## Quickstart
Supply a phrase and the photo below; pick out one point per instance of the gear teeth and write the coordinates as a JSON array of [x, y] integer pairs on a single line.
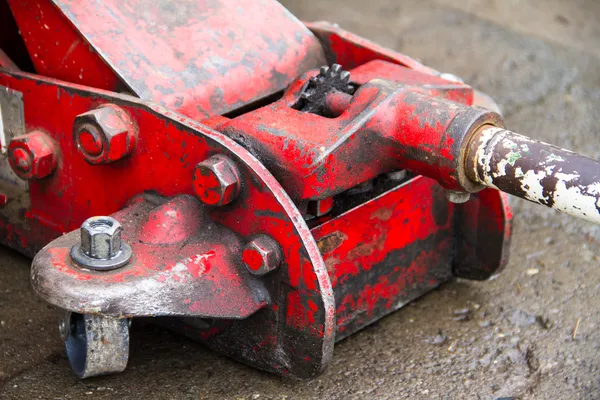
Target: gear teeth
[[328, 79]]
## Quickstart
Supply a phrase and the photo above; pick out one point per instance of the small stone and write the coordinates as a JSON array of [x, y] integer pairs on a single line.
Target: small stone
[[462, 314], [438, 339], [462, 311], [522, 319], [543, 322], [532, 271]]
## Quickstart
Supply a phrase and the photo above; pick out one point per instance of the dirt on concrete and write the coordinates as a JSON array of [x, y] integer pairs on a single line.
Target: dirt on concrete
[[531, 333]]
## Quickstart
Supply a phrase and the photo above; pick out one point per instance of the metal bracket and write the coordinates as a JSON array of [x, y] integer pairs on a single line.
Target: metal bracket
[[12, 116], [14, 191]]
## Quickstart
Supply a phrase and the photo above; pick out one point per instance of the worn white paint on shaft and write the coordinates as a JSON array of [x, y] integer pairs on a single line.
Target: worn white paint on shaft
[[576, 200]]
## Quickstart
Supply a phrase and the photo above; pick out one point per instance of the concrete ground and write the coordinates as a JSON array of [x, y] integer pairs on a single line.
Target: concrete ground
[[510, 337]]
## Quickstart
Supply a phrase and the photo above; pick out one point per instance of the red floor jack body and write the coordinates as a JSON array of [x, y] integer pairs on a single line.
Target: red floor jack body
[[189, 160]]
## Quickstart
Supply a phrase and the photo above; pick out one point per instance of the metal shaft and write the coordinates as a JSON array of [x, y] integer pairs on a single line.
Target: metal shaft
[[535, 171]]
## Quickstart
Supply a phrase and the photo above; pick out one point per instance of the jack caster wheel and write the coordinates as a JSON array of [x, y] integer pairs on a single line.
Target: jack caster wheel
[[95, 345]]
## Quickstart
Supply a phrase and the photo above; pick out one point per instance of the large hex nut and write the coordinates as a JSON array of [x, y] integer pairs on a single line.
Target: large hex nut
[[261, 255], [104, 135], [216, 180], [32, 156], [101, 247]]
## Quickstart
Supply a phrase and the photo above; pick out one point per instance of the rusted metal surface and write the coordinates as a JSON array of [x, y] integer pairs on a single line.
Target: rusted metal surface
[[304, 314], [57, 50], [176, 269], [14, 192], [350, 50], [410, 120], [536, 171], [216, 188], [188, 55], [392, 249], [95, 345]]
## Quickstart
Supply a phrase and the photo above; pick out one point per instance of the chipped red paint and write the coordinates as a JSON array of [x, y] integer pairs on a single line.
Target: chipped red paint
[[351, 50], [392, 249], [170, 142], [188, 216], [405, 122], [171, 54], [57, 50]]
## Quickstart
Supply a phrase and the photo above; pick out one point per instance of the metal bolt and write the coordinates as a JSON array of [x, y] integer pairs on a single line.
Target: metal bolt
[[216, 180], [101, 247], [457, 197], [104, 135], [261, 255], [32, 156], [65, 327]]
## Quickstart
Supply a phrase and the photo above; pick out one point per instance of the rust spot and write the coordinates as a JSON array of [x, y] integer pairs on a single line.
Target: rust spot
[[383, 214], [367, 249], [331, 242]]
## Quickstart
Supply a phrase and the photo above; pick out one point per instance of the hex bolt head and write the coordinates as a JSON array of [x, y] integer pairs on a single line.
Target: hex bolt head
[[104, 135], [217, 180], [101, 246], [261, 255], [32, 156]]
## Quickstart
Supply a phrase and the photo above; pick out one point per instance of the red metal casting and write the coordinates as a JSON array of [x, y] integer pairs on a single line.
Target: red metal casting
[[406, 121], [170, 142], [267, 231], [191, 57]]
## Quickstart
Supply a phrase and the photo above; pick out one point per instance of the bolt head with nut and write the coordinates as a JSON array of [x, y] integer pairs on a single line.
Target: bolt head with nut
[[101, 246], [104, 135], [217, 180], [261, 255], [32, 156]]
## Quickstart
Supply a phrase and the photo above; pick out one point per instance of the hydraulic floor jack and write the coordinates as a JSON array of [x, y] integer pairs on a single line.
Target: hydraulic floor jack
[[265, 186]]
